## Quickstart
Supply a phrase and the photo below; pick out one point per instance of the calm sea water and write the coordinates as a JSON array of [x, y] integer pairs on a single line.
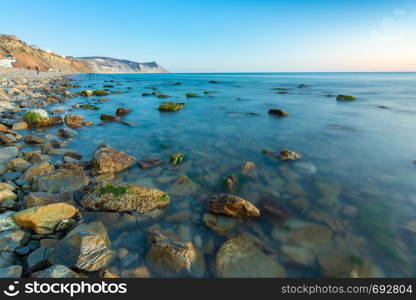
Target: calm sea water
[[357, 174]]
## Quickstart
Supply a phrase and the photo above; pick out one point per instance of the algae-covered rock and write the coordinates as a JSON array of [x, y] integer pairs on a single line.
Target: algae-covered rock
[[346, 98], [286, 154], [37, 118], [170, 256], [124, 198], [176, 158], [240, 257], [191, 95], [109, 160], [100, 93], [170, 106], [232, 206], [44, 219]]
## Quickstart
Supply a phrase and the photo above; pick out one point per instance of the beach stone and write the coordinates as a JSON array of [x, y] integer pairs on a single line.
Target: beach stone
[[41, 198], [109, 160], [7, 259], [122, 111], [109, 274], [312, 236], [8, 153], [10, 240], [66, 133], [344, 265], [31, 139], [11, 272], [232, 206], [184, 186], [11, 176], [286, 154], [239, 257], [45, 219], [140, 272], [74, 121], [6, 194], [18, 165], [57, 271], [170, 256], [87, 247], [38, 170], [249, 169], [37, 118], [220, 224], [60, 181], [124, 198], [7, 222], [38, 259], [7, 138]]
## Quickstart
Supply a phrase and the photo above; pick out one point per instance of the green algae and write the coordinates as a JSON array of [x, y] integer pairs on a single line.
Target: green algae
[[346, 98], [116, 191]]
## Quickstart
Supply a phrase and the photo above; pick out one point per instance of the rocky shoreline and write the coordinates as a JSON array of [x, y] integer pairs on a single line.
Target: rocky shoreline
[[47, 191]]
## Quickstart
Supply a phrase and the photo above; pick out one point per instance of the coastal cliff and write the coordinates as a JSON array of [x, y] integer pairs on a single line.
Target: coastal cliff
[[112, 65]]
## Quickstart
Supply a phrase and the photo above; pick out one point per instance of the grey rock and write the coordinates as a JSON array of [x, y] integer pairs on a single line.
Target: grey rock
[[11, 272], [10, 240]]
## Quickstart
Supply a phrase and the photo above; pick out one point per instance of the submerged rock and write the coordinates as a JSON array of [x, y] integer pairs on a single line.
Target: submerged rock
[[346, 98], [344, 265], [124, 198], [176, 158], [41, 198], [109, 160], [239, 257], [74, 121], [122, 111], [232, 206], [11, 272], [66, 133], [147, 163], [220, 224], [106, 117], [59, 181], [249, 169], [287, 154], [45, 219], [312, 236], [278, 112], [87, 247], [184, 186], [56, 271], [170, 256]]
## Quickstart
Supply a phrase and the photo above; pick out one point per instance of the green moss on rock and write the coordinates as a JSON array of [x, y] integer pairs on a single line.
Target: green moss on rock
[[116, 191], [100, 93], [346, 98], [170, 106], [191, 95]]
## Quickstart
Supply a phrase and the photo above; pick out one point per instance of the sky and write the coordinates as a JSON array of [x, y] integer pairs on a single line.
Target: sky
[[225, 35]]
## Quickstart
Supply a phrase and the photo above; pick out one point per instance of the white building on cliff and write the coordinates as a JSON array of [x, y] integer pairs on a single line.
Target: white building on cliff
[[6, 60]]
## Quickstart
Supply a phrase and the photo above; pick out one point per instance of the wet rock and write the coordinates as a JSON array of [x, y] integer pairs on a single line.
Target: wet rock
[[73, 155], [169, 256], [57, 271], [109, 160], [38, 259], [10, 240], [66, 133], [8, 153], [38, 170], [86, 93], [231, 181], [249, 169], [59, 181], [181, 217], [287, 154], [140, 272], [124, 198], [273, 210], [312, 236], [147, 163], [300, 203], [31, 139], [170, 106], [45, 219], [37, 118], [41, 198], [7, 222], [184, 186], [278, 112], [239, 257], [87, 247], [74, 121], [344, 265], [122, 112], [327, 192], [7, 259], [220, 224], [11, 272], [176, 158], [345, 98], [232, 206], [6, 194], [105, 117], [109, 274], [18, 165], [295, 255], [7, 139]]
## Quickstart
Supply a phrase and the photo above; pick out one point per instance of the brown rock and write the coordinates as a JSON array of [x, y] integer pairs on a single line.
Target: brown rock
[[232, 206], [41, 198], [110, 160]]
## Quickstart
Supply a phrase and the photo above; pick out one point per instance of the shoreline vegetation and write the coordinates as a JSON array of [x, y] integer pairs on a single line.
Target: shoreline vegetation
[[43, 199]]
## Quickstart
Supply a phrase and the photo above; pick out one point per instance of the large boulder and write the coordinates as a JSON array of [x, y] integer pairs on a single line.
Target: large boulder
[[60, 181], [37, 118], [240, 257], [87, 247], [170, 256], [45, 219], [109, 160], [232, 206], [124, 198]]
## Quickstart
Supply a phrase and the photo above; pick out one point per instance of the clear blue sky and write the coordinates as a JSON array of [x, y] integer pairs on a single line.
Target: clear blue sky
[[224, 36]]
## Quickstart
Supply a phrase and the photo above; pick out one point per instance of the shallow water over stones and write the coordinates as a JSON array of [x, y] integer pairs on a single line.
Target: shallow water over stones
[[348, 197]]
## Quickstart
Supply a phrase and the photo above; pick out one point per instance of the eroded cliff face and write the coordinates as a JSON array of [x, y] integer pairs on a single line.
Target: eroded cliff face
[[29, 57], [113, 65]]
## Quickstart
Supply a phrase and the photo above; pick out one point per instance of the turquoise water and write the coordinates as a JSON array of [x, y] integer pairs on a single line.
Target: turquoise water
[[356, 155]]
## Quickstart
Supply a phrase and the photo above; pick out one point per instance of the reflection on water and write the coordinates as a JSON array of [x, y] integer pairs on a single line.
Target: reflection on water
[[351, 194]]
